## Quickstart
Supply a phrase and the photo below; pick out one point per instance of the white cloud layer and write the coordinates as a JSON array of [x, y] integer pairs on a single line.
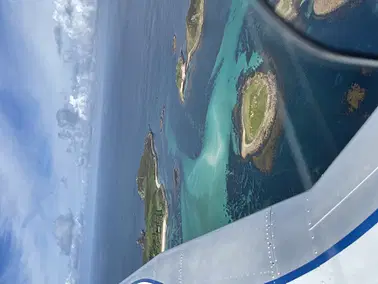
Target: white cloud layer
[[47, 66]]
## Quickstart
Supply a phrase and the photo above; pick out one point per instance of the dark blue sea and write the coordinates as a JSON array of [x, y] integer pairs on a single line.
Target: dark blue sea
[[141, 81], [314, 92]]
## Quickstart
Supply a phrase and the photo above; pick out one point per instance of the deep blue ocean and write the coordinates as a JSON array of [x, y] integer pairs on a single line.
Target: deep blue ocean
[[141, 81]]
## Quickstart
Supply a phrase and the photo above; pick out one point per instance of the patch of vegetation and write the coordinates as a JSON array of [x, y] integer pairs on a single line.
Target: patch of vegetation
[[154, 201], [194, 23], [254, 105], [179, 65], [355, 96], [264, 160]]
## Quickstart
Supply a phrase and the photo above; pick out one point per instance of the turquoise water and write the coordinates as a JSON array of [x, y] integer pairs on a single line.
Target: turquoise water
[[204, 191], [198, 136], [217, 186], [235, 142]]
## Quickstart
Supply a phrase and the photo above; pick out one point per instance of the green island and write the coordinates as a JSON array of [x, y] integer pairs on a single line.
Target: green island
[[153, 238], [355, 96], [194, 25], [286, 9], [324, 7], [258, 115], [180, 77]]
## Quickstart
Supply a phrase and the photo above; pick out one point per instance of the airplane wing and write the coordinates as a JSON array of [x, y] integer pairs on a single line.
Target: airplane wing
[[325, 235]]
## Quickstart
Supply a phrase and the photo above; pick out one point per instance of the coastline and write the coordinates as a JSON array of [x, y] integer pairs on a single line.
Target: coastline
[[267, 123], [181, 76], [152, 192], [182, 64], [198, 32], [290, 13], [323, 8], [162, 188]]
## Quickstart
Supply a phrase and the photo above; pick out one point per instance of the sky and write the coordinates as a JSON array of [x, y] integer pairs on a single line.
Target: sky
[[47, 91]]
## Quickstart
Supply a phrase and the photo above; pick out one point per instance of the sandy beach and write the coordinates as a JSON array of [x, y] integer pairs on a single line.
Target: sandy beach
[[165, 218], [159, 186]]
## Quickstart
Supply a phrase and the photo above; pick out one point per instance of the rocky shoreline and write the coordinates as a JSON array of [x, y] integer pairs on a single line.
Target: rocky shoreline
[[181, 76], [152, 192], [324, 7], [161, 187], [199, 18], [194, 26], [286, 9]]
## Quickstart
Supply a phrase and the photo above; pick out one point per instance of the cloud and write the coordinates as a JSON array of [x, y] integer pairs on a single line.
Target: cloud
[[37, 85], [20, 112], [20, 196], [64, 225], [67, 118], [58, 38], [9, 257]]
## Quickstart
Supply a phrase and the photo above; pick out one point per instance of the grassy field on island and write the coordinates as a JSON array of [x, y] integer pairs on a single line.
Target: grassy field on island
[[254, 104], [194, 23], [153, 201]]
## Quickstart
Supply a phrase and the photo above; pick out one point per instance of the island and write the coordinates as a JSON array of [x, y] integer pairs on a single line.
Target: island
[[162, 117], [153, 238], [176, 184], [324, 7], [286, 9], [176, 177], [355, 96], [181, 76], [194, 26], [174, 44], [258, 111]]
